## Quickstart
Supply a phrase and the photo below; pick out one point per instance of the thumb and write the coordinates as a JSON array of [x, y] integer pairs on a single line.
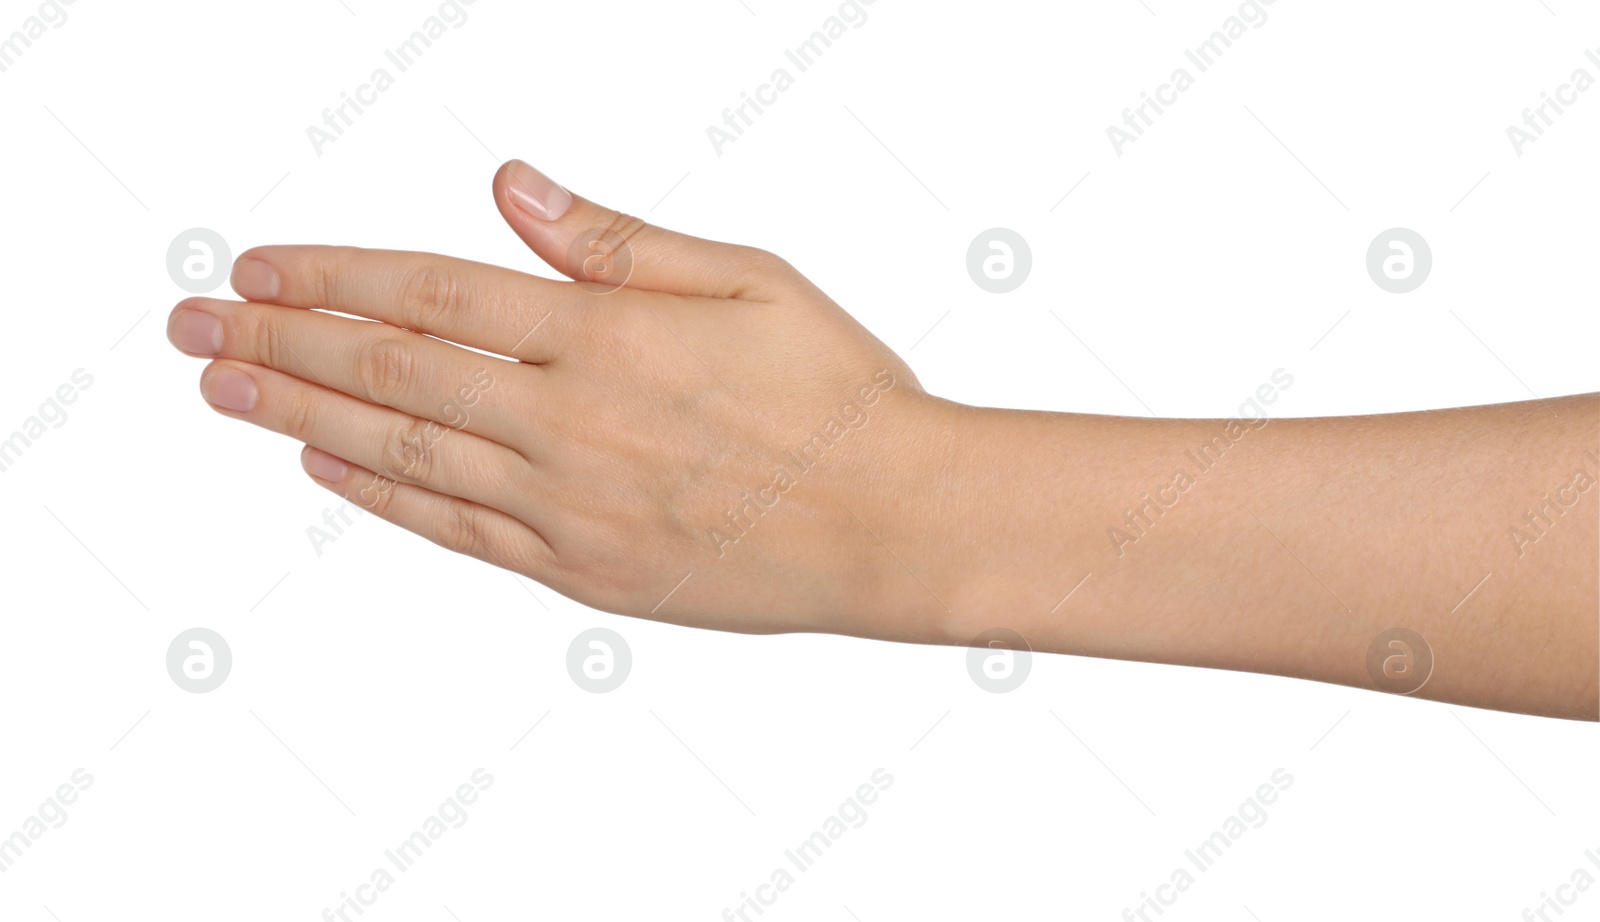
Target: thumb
[[594, 244]]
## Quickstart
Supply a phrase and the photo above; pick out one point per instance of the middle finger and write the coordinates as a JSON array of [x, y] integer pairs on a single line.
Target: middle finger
[[374, 362]]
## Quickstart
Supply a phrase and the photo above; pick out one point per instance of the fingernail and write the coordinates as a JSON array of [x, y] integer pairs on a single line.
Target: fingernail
[[229, 389], [536, 193], [254, 280], [323, 466], [195, 332]]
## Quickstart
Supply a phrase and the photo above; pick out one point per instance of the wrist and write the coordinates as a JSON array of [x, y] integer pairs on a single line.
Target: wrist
[[962, 522]]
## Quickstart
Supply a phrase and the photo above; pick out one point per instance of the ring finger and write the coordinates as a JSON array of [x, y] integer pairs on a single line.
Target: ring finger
[[396, 445]]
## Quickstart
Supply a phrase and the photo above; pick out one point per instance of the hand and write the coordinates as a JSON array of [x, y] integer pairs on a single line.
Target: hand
[[689, 431]]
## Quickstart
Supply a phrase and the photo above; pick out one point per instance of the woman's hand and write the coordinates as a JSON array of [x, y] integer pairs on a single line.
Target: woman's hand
[[692, 432], [689, 431]]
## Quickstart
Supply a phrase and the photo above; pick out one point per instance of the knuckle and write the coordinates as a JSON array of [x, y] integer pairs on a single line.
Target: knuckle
[[260, 340], [430, 293], [460, 529], [767, 262], [762, 271], [408, 451], [301, 415], [385, 368], [323, 277], [604, 252], [621, 227]]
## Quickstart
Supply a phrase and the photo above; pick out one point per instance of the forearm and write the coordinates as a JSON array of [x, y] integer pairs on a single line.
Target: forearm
[[1282, 547]]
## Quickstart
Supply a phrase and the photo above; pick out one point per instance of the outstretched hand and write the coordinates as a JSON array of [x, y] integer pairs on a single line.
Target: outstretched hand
[[681, 431]]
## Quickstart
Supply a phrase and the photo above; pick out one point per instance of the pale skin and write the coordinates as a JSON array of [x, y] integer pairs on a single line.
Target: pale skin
[[648, 450]]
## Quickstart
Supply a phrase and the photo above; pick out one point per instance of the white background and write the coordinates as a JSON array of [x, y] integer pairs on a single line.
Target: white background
[[372, 679]]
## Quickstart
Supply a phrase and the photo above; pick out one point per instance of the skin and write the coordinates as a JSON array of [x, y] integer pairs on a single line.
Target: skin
[[622, 445]]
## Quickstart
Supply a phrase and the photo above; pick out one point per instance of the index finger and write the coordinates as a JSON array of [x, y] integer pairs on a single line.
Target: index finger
[[475, 304]]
